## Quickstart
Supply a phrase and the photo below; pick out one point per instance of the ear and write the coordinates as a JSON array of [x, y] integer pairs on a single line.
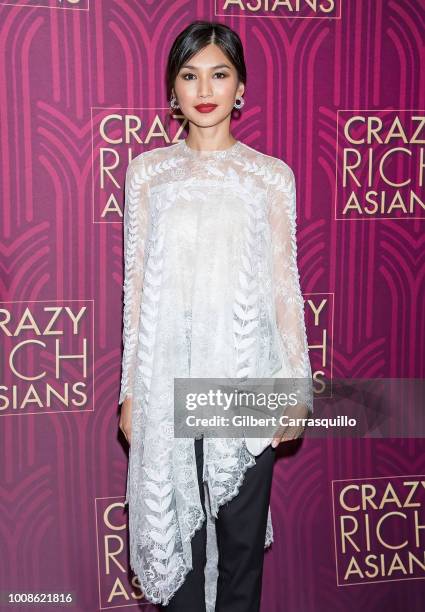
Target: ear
[[240, 90]]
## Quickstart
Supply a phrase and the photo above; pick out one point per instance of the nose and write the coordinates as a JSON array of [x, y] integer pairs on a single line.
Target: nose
[[204, 87]]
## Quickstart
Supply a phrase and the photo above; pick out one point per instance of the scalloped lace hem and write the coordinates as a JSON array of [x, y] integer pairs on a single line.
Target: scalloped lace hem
[[152, 594], [156, 596], [231, 494]]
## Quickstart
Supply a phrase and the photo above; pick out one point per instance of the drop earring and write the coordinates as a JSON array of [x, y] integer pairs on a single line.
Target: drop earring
[[173, 102], [239, 104]]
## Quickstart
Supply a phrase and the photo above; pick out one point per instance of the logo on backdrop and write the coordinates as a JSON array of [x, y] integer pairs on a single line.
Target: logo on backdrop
[[119, 135], [380, 164], [279, 8], [48, 356], [379, 529], [115, 589], [319, 317], [81, 5]]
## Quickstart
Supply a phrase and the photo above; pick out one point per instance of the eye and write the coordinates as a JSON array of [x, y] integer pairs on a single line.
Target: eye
[[187, 75]]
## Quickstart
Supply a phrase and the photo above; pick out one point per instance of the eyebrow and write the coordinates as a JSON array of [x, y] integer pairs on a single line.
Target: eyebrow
[[212, 67]]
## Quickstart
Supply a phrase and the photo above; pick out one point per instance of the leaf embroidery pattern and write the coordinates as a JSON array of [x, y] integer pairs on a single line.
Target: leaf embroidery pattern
[[155, 546], [134, 244]]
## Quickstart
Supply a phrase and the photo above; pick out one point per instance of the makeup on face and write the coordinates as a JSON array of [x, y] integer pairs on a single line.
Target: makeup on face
[[206, 108]]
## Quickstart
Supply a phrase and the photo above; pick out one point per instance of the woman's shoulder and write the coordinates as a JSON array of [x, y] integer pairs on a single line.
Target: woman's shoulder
[[275, 163], [152, 157]]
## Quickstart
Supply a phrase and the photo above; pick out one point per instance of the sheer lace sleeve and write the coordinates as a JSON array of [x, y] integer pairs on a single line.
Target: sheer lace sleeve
[[135, 233], [286, 281]]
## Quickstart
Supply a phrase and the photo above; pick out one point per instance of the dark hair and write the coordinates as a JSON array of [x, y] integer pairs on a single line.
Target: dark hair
[[195, 37]]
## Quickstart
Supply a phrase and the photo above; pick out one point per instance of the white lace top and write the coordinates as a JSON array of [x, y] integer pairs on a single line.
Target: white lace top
[[211, 290]]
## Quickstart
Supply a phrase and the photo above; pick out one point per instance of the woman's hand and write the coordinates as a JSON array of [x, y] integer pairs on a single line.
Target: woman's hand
[[125, 419], [291, 432]]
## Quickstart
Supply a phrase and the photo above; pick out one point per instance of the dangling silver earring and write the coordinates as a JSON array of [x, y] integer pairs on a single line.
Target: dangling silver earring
[[173, 102], [239, 104]]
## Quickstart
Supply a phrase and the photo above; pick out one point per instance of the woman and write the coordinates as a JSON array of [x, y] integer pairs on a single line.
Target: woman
[[211, 290]]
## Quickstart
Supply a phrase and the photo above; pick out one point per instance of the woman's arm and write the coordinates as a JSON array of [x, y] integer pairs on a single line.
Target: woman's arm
[[286, 281], [135, 234]]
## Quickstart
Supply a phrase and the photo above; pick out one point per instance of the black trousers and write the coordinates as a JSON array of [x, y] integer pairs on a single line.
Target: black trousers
[[241, 530]]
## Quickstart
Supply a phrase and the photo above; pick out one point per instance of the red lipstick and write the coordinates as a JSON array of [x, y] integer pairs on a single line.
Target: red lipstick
[[205, 108]]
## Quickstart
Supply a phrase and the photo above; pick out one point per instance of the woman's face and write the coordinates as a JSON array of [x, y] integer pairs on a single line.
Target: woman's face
[[207, 78]]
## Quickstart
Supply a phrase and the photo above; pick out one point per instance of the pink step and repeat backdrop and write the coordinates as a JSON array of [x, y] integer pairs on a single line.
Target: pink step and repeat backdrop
[[336, 88]]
